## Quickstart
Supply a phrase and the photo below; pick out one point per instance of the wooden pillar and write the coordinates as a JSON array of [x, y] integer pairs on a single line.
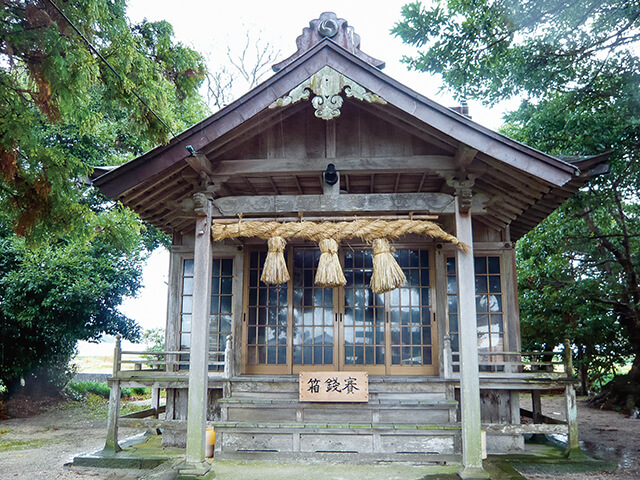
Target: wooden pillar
[[155, 400], [571, 404], [469, 380], [536, 406], [573, 447], [112, 418], [536, 413], [199, 350], [111, 443]]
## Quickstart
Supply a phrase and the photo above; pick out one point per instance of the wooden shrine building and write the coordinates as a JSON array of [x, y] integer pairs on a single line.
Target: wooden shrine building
[[326, 163]]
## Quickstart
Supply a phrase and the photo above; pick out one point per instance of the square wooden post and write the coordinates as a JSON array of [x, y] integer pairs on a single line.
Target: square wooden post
[[114, 401], [199, 350], [469, 377], [571, 405], [112, 418], [155, 400]]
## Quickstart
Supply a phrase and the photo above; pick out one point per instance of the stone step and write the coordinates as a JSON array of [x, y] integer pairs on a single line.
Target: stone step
[[373, 397], [284, 385], [391, 442], [372, 403], [349, 458], [306, 426], [379, 412]]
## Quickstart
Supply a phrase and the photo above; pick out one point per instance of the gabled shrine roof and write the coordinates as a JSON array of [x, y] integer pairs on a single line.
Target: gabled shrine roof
[[521, 185]]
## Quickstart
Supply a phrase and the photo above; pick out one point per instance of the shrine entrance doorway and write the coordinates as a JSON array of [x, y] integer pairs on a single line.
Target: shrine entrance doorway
[[298, 326]]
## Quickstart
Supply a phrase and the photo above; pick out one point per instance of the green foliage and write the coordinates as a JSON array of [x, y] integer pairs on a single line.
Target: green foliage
[[495, 49], [83, 390], [80, 390], [64, 111], [98, 406], [57, 293], [577, 67], [134, 392], [154, 339], [589, 280], [560, 296], [68, 256]]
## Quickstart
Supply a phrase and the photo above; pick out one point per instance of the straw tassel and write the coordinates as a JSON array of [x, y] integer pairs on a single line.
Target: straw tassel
[[387, 274], [275, 270], [329, 273]]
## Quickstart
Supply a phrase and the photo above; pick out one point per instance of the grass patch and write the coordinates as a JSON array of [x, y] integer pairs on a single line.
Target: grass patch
[[94, 364], [81, 390], [23, 444], [99, 406], [95, 395]]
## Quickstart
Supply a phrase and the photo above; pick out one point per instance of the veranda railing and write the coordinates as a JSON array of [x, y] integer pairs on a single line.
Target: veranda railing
[[127, 362], [548, 365]]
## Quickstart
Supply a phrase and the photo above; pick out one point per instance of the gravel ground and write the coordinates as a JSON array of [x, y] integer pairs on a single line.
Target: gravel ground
[[41, 446], [604, 435]]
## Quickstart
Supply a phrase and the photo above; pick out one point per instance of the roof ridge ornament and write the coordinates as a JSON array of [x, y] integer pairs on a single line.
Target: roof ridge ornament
[[334, 28], [327, 84]]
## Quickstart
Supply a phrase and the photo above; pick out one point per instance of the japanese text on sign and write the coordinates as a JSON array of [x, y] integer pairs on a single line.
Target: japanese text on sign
[[334, 387]]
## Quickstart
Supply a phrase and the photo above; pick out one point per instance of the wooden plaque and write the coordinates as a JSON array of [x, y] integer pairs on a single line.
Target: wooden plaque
[[334, 387]]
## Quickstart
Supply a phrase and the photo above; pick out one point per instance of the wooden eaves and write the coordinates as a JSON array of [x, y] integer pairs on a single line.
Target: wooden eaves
[[522, 184]]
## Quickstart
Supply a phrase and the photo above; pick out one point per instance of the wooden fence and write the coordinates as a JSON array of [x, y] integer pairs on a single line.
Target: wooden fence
[[552, 365], [128, 363]]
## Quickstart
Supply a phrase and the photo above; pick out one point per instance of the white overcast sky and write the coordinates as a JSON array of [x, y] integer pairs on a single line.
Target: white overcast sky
[[211, 26]]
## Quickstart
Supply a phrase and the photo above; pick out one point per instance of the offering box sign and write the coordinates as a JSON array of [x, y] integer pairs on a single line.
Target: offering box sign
[[334, 387]]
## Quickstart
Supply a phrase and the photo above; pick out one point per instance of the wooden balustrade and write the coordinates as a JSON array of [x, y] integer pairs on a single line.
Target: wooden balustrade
[[543, 365], [127, 361], [157, 370]]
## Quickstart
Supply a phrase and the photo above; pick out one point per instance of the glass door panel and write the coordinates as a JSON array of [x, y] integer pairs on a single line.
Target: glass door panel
[[313, 316], [266, 321], [412, 324], [363, 325], [299, 326]]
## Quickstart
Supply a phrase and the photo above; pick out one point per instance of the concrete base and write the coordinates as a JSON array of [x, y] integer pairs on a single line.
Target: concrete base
[[177, 438], [575, 454], [473, 473], [505, 443], [195, 470], [142, 452]]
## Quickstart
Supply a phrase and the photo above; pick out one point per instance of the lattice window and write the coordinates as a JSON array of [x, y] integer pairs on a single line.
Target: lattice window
[[221, 305], [489, 304], [313, 334], [266, 317]]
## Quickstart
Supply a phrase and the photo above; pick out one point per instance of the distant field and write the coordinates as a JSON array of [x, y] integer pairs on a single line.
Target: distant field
[[87, 364], [98, 357]]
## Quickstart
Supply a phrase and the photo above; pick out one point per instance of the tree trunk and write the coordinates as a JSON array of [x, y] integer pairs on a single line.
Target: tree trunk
[[584, 374]]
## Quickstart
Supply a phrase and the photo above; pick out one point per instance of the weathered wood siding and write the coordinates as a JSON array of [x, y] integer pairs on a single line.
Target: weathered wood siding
[[357, 133]]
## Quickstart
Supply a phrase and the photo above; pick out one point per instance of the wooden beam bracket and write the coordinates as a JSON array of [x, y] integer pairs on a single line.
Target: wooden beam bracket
[[463, 189]]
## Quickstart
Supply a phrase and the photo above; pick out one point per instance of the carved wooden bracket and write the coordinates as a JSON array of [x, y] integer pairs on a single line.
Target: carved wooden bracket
[[217, 181], [463, 189], [327, 84], [202, 203]]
